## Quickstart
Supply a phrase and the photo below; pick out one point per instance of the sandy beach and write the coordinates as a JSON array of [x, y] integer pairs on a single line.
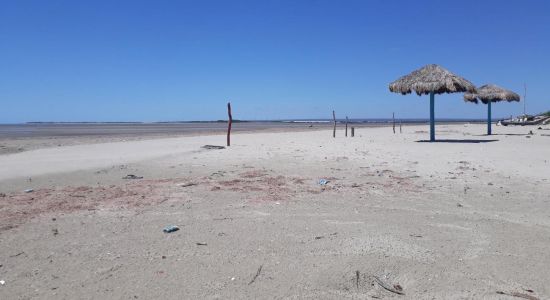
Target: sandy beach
[[464, 218]]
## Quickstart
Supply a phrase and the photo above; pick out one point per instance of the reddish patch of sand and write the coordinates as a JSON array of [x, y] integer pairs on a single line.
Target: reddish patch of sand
[[18, 208]]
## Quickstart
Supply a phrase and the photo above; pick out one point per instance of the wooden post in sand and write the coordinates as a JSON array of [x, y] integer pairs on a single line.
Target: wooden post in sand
[[346, 126], [229, 124], [334, 129], [352, 131], [393, 121], [400, 125]]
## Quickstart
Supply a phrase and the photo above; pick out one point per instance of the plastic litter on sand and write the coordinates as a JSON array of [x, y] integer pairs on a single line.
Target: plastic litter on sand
[[323, 182], [171, 228]]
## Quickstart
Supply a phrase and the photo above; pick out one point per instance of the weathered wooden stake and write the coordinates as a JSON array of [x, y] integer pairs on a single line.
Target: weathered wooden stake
[[334, 129], [346, 126], [400, 126], [352, 131], [229, 124], [393, 121]]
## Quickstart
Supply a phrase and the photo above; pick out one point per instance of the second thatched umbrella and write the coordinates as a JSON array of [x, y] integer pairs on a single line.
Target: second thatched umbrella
[[431, 80], [491, 93]]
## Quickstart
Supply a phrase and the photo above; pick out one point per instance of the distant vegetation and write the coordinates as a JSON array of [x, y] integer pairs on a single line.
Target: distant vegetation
[[546, 113], [84, 122]]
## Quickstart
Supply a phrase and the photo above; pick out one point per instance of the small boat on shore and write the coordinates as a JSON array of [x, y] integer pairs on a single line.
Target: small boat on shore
[[542, 119]]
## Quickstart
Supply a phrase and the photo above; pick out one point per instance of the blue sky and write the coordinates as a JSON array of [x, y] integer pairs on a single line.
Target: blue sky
[[183, 60]]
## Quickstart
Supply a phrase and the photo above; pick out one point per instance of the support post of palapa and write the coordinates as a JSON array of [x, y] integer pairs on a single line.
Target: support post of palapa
[[229, 124], [334, 120], [432, 117], [489, 121]]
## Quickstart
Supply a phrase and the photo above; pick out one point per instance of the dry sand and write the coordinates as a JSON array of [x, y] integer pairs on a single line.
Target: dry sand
[[462, 219]]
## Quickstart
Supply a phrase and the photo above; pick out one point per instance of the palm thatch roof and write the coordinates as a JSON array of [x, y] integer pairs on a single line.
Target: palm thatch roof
[[491, 92], [431, 78]]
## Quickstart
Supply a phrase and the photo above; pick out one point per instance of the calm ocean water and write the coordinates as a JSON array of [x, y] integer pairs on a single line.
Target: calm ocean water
[[30, 130]]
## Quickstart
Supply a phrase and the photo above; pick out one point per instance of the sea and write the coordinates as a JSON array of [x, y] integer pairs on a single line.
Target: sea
[[74, 129]]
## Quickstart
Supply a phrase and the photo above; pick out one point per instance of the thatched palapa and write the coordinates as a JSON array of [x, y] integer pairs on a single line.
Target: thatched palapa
[[431, 78], [493, 93], [490, 93]]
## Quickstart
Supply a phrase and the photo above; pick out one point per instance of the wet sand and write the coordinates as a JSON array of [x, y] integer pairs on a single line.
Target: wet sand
[[24, 137], [139, 129]]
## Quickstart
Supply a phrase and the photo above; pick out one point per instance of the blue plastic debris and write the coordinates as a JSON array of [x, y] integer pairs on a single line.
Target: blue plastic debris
[[171, 228], [323, 182]]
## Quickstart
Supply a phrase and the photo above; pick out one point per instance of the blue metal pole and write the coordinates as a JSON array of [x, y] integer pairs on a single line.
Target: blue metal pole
[[432, 117], [489, 118]]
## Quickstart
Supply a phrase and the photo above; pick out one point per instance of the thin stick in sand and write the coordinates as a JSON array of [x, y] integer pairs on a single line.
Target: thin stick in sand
[[387, 286], [393, 121], [519, 295], [229, 124], [257, 274], [334, 119], [346, 126]]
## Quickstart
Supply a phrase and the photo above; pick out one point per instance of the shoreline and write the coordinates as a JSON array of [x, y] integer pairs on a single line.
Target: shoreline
[[28, 137]]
